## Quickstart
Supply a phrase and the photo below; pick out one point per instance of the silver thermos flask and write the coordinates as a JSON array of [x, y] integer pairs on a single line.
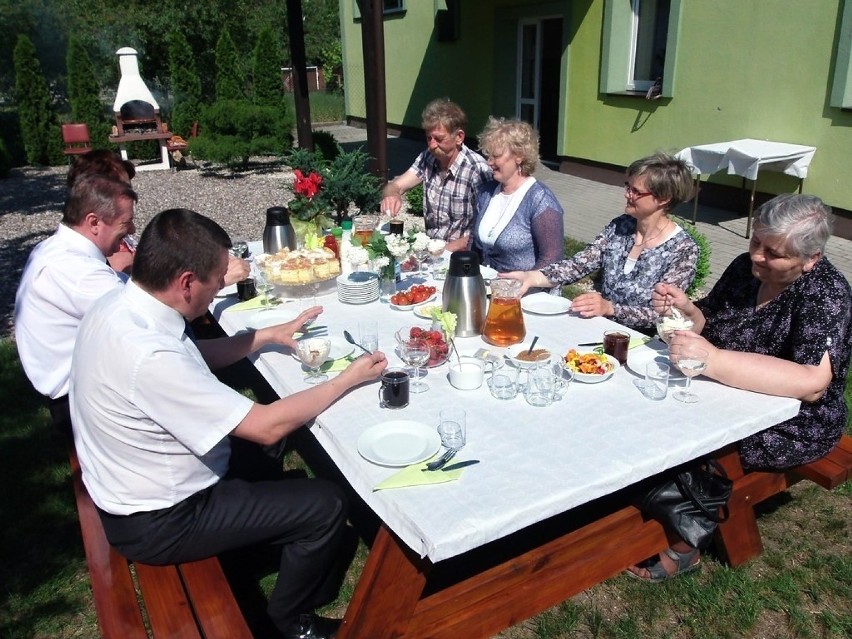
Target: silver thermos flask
[[464, 293], [278, 232]]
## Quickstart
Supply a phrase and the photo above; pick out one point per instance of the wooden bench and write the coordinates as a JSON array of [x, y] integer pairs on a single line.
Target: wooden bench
[[738, 539], [138, 601]]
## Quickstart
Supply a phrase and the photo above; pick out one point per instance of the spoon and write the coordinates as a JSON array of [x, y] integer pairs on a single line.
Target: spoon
[[352, 341], [532, 346]]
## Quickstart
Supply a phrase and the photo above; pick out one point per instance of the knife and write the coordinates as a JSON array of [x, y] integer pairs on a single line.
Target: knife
[[456, 466]]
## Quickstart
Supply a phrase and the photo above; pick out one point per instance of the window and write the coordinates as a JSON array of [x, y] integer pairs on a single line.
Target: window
[[648, 42], [639, 45], [388, 7], [841, 85]]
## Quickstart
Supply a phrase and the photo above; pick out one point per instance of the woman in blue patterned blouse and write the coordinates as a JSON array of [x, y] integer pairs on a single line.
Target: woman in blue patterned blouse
[[634, 251]]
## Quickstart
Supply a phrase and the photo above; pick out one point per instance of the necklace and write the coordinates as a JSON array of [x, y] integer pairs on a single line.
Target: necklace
[[651, 237]]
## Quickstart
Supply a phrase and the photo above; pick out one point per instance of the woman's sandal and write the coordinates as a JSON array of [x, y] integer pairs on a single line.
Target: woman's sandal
[[684, 562]]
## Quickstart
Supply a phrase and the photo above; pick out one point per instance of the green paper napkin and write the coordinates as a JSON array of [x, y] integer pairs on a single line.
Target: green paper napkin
[[414, 476], [253, 304], [638, 341]]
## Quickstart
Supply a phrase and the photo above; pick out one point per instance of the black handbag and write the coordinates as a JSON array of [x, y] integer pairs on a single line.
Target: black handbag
[[692, 503]]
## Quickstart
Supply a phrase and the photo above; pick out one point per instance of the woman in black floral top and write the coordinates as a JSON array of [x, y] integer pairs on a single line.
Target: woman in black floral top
[[634, 251], [779, 321]]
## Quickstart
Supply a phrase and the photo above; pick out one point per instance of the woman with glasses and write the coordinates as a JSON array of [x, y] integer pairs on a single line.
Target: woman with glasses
[[634, 251]]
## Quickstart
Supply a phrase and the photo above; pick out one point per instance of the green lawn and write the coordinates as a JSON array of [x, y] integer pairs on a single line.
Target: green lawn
[[800, 587]]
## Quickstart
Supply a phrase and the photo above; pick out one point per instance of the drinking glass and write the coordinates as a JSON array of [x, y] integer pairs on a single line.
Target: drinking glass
[[691, 360], [369, 335], [656, 380], [451, 428], [240, 249], [313, 353], [415, 352]]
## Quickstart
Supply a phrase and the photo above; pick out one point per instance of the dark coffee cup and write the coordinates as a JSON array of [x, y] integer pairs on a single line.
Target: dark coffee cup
[[246, 289], [393, 392]]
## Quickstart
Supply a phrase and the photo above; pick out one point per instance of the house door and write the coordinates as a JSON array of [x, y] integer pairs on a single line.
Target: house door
[[539, 64]]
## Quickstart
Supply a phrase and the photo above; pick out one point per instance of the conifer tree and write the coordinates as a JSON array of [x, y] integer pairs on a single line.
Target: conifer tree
[[39, 125], [186, 85], [84, 92], [266, 89], [230, 80]]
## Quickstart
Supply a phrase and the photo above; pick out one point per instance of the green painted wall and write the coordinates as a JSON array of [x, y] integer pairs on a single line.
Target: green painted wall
[[744, 68]]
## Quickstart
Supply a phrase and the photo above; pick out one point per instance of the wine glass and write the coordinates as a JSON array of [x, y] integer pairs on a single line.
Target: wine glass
[[422, 255], [240, 249], [313, 353], [265, 287], [415, 352], [691, 360]]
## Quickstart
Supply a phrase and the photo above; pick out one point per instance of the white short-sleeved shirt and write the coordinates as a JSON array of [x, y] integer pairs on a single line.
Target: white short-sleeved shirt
[[64, 275], [150, 420]]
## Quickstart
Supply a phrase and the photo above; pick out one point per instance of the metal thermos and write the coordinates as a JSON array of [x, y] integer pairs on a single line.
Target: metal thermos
[[278, 232], [464, 293]]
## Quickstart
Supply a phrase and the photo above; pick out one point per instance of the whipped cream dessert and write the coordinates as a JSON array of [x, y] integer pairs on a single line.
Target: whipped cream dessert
[[667, 324]]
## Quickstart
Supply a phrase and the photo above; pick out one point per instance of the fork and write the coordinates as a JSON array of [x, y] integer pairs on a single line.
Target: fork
[[443, 459]]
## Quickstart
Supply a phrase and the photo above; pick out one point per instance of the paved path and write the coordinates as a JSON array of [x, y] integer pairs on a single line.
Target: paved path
[[590, 205]]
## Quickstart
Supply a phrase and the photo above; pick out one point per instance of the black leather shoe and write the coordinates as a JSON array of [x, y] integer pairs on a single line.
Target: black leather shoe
[[313, 627]]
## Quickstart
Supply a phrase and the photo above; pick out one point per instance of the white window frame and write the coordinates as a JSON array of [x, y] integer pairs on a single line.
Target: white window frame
[[535, 101]]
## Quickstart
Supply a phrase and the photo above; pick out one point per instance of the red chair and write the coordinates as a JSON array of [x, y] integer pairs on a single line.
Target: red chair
[[76, 139]]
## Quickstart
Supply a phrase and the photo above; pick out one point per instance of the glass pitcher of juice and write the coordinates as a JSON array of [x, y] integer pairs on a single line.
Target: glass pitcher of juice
[[504, 322]]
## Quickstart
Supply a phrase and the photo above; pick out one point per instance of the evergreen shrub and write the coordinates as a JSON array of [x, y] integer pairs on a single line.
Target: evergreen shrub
[[702, 268], [5, 160], [235, 130], [40, 128], [414, 198]]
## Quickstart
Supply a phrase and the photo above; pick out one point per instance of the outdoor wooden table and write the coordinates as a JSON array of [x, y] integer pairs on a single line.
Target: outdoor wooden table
[[438, 567]]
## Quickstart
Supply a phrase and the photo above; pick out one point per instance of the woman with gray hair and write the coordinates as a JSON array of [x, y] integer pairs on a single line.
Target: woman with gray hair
[[777, 322], [634, 251], [518, 222]]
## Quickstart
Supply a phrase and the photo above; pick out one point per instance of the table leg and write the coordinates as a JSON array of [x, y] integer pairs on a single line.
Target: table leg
[[750, 207], [738, 538], [695, 199], [387, 592]]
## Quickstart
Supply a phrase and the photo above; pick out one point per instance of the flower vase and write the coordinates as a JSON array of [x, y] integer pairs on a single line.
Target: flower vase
[[387, 280]]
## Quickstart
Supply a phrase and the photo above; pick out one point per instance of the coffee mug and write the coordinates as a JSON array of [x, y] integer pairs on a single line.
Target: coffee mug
[[467, 373], [246, 289], [393, 392]]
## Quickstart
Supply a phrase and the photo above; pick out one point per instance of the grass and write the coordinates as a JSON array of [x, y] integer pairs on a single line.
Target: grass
[[325, 107], [800, 587]]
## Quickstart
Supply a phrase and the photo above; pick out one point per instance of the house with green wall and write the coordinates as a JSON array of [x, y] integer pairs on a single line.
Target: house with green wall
[[609, 81]]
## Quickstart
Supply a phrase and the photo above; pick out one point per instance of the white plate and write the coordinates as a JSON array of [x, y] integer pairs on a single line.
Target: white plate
[[231, 289], [422, 310], [487, 272], [513, 352], [411, 307], [264, 319], [639, 358], [399, 443], [545, 304], [588, 378]]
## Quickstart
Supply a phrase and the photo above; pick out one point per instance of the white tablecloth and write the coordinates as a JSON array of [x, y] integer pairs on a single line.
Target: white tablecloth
[[746, 157], [536, 462]]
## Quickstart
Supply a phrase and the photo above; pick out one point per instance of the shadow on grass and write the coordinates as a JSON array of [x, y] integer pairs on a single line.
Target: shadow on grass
[[40, 548]]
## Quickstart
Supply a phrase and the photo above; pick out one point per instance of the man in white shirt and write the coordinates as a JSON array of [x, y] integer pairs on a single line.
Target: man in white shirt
[[151, 425], [64, 275]]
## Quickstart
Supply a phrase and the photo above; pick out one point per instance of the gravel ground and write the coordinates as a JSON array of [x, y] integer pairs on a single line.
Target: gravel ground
[[31, 203]]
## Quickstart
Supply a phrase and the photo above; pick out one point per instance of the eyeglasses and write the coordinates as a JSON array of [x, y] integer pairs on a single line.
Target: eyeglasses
[[634, 194]]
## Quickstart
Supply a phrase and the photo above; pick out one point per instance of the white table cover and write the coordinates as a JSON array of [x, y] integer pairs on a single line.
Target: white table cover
[[536, 462], [747, 157]]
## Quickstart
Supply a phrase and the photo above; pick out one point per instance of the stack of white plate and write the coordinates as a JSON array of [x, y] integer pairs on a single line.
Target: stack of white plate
[[358, 288]]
